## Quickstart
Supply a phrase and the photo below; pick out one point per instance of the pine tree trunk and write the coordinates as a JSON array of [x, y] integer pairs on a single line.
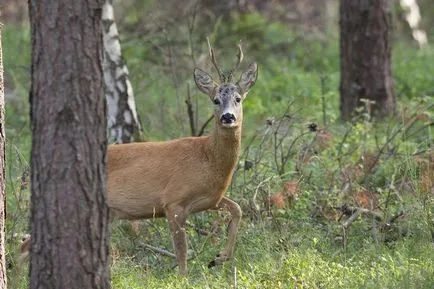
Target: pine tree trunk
[[3, 280], [365, 57], [69, 216], [123, 122]]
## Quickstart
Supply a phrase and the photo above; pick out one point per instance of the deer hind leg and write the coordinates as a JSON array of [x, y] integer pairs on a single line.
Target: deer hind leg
[[177, 217], [24, 250], [236, 214]]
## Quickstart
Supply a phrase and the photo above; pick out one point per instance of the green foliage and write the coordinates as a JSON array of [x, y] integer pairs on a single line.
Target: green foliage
[[411, 70], [292, 136]]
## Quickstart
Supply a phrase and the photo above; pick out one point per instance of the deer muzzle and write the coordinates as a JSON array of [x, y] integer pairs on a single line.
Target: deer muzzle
[[228, 118]]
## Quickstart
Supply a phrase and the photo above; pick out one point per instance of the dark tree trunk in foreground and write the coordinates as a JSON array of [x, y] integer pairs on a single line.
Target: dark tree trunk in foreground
[[365, 57], [69, 216], [2, 173]]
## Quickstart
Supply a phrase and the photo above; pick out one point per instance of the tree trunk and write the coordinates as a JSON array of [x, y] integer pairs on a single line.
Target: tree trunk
[[123, 122], [3, 279], [365, 57], [412, 15], [69, 215]]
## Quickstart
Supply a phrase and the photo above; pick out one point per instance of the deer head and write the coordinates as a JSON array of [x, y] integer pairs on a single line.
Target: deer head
[[226, 95]]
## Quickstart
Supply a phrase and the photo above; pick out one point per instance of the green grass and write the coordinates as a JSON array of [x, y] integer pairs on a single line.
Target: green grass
[[302, 245], [294, 257]]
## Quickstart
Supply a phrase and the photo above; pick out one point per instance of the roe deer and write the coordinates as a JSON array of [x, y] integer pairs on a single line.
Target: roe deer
[[174, 178]]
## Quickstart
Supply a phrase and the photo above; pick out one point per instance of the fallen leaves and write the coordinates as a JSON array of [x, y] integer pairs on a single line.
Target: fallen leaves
[[283, 198]]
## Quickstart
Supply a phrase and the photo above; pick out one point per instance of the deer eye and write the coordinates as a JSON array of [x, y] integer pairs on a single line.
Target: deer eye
[[216, 101], [238, 99]]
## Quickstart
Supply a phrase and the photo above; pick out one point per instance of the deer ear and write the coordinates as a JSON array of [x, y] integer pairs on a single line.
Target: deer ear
[[204, 81], [248, 78]]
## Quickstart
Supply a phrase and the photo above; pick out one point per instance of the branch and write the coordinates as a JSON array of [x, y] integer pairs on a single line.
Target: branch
[[351, 211], [395, 217], [190, 112], [351, 219], [199, 230], [202, 129], [158, 250]]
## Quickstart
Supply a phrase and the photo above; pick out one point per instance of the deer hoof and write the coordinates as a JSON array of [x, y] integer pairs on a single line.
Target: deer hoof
[[211, 264], [219, 259], [214, 262]]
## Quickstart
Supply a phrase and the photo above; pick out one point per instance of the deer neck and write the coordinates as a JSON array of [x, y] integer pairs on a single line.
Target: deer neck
[[225, 148]]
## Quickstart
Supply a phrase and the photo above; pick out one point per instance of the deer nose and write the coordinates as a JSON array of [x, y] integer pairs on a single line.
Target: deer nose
[[228, 118]]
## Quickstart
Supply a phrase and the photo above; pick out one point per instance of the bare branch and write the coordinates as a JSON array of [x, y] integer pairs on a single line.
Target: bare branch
[[202, 129], [190, 112], [351, 219], [347, 210], [158, 250], [395, 217], [199, 230]]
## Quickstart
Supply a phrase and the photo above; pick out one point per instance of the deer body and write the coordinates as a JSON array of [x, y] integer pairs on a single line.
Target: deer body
[[192, 173], [175, 178]]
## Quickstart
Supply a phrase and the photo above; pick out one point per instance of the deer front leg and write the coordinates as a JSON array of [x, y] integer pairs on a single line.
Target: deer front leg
[[235, 211], [177, 217]]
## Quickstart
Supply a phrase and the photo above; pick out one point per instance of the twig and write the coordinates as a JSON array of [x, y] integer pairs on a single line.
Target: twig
[[235, 277], [285, 158], [413, 122], [374, 223], [351, 219], [278, 144], [190, 111], [382, 150], [347, 210], [395, 217], [346, 225], [205, 124], [200, 231], [324, 111], [158, 250], [341, 145], [255, 195], [421, 128]]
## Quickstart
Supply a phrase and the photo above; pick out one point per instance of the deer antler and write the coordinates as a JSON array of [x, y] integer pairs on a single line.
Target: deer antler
[[240, 56], [214, 62]]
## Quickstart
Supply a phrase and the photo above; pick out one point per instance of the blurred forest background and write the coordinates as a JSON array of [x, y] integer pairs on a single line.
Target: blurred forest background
[[327, 203]]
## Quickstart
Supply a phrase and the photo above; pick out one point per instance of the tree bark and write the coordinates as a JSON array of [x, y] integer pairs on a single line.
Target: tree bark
[[365, 57], [69, 215], [123, 122], [3, 280]]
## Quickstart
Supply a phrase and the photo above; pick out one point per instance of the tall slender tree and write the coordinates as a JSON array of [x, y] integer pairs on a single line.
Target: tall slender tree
[[3, 279], [123, 121], [365, 28], [69, 216]]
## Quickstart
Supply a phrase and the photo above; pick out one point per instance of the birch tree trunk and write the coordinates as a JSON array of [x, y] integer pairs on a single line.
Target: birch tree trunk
[[3, 280], [123, 122], [413, 18], [69, 215]]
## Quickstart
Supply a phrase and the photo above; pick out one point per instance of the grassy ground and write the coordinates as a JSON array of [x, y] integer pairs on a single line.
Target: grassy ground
[[298, 188]]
